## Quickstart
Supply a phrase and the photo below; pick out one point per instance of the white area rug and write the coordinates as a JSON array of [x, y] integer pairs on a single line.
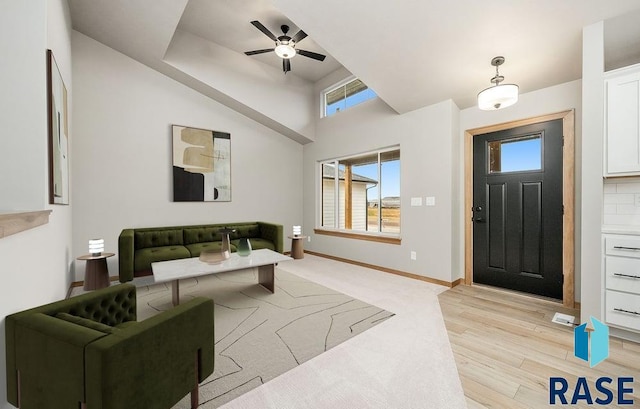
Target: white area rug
[[260, 335], [404, 362]]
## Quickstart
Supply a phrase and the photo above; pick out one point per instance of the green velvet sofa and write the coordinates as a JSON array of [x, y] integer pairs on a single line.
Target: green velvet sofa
[[89, 351], [138, 248]]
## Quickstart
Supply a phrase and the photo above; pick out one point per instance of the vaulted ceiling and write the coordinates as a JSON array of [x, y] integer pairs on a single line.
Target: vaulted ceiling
[[413, 53]]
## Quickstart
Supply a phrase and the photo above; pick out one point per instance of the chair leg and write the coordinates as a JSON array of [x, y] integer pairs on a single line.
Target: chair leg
[[195, 399], [19, 391]]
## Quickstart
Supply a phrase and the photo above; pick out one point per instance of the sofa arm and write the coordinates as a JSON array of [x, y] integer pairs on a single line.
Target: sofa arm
[[161, 350], [273, 232], [47, 354], [126, 252]]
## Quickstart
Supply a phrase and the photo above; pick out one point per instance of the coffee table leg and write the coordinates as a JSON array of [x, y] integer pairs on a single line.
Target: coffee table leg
[[175, 292], [266, 277]]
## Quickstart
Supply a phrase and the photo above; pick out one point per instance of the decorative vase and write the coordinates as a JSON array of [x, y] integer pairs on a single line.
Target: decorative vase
[[244, 247], [226, 240]]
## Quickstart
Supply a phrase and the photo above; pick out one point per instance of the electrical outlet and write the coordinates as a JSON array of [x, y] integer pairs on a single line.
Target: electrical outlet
[[636, 198], [416, 201], [413, 255], [309, 239], [430, 201]]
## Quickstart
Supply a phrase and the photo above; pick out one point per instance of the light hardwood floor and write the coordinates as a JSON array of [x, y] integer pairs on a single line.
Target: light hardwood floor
[[506, 348]]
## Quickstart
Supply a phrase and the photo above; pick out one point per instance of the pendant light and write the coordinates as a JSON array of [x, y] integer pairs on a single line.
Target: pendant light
[[499, 95]]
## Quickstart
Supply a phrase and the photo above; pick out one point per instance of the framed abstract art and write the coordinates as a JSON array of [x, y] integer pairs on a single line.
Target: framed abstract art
[[201, 165]]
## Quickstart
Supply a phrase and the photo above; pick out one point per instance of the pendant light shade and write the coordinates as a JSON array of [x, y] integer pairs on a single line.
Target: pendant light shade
[[500, 95]]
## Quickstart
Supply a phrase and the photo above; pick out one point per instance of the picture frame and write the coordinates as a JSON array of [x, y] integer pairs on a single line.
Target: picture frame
[[58, 138], [201, 165]]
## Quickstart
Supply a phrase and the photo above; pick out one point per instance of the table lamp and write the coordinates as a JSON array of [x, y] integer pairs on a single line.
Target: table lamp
[[96, 246]]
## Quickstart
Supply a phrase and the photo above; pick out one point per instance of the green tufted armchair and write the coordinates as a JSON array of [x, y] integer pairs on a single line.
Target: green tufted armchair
[[90, 352]]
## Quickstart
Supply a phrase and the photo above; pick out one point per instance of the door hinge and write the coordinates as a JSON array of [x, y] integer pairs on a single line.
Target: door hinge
[[563, 210]]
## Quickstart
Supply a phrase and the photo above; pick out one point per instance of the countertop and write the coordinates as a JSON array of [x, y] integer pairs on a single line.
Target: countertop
[[621, 229]]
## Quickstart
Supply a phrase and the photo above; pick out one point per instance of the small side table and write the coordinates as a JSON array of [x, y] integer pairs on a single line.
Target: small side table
[[297, 246], [96, 274]]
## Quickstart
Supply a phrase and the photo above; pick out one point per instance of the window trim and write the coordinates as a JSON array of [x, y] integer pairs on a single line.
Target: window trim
[[331, 88], [387, 238], [381, 237]]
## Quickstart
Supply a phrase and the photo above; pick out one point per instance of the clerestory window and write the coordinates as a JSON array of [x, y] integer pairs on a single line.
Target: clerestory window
[[344, 95]]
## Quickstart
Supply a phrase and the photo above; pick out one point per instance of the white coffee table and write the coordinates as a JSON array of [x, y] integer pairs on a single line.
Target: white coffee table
[[174, 270]]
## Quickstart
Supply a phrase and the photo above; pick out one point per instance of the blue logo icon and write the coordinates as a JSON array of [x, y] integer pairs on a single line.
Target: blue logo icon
[[597, 338]]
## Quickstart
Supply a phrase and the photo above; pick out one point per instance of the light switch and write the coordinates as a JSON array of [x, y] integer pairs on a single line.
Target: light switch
[[431, 201], [416, 201]]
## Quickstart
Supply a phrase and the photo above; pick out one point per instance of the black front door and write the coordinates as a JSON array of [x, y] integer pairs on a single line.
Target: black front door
[[517, 210]]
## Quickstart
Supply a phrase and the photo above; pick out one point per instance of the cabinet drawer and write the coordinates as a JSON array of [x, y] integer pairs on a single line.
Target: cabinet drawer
[[623, 274], [623, 309], [627, 247]]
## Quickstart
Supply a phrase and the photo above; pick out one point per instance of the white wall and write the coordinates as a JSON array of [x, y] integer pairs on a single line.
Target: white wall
[[426, 143], [34, 264], [122, 168], [532, 104]]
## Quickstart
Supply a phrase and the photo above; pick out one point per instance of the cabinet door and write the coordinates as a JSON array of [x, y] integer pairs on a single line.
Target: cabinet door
[[622, 125]]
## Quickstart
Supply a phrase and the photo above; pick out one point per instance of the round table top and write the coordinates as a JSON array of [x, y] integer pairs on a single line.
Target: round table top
[[297, 237], [92, 257]]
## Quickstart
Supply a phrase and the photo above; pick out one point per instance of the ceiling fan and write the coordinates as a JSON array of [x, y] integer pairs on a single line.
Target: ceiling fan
[[285, 46]]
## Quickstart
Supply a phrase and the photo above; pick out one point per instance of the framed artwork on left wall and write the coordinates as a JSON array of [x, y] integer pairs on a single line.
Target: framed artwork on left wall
[[58, 124]]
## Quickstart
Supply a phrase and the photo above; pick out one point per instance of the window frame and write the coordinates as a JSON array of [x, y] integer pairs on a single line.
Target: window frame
[[378, 236], [340, 84]]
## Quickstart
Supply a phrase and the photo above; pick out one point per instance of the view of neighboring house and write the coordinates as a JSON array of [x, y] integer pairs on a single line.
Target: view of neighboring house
[[359, 184]]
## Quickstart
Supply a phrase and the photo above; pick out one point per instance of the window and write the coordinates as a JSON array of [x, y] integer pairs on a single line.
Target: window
[[516, 154], [362, 193], [345, 95]]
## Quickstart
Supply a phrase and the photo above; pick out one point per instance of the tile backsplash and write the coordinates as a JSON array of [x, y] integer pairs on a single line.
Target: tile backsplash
[[622, 202]]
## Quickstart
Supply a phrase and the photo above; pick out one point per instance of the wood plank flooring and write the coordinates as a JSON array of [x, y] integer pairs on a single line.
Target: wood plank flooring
[[506, 348]]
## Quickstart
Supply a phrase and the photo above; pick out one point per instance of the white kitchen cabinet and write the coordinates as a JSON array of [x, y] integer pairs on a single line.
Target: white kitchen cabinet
[[622, 122], [622, 282]]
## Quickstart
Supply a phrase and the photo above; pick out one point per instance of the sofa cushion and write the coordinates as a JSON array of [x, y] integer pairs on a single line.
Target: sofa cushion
[[196, 248], [158, 238], [85, 322], [144, 257], [201, 235], [257, 243], [245, 231]]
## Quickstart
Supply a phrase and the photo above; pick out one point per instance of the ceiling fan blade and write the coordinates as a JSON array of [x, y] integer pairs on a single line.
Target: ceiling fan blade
[[300, 35], [311, 54], [265, 30], [265, 50], [286, 65]]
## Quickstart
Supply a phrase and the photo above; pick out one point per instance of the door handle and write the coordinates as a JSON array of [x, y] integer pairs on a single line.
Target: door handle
[[477, 219]]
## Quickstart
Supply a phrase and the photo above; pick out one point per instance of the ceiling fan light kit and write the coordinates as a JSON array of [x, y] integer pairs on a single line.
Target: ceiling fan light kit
[[285, 51], [500, 95], [285, 46]]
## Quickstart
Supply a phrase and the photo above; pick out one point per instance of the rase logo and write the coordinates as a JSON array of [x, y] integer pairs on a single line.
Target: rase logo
[[598, 338], [591, 345]]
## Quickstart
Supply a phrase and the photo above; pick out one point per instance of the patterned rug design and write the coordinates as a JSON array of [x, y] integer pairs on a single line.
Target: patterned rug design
[[259, 335]]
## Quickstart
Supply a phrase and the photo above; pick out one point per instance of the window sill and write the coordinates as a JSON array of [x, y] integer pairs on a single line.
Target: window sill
[[360, 236], [12, 223]]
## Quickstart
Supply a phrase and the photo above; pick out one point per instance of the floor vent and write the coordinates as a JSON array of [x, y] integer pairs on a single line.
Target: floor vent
[[564, 319]]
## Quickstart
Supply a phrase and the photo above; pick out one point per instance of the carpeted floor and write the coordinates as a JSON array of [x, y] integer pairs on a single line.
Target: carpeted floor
[[260, 335]]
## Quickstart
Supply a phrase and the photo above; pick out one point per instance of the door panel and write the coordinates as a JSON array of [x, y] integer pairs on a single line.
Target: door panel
[[517, 229], [496, 225]]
